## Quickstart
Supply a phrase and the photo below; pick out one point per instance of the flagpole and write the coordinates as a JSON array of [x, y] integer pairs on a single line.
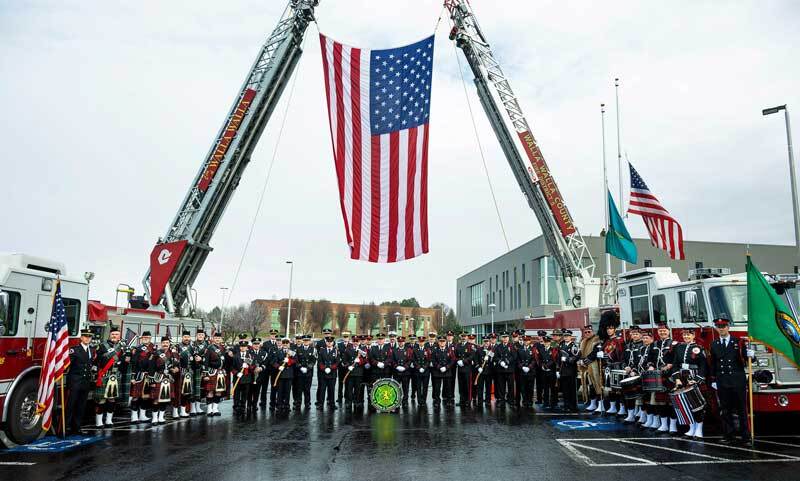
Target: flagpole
[[750, 384], [605, 182], [619, 158], [63, 411]]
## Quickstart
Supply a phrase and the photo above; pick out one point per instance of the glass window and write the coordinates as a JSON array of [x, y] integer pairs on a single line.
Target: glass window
[[660, 308], [729, 301], [693, 306], [550, 281], [640, 305], [529, 293], [523, 272], [648, 263], [275, 315], [476, 297], [9, 313], [73, 309]]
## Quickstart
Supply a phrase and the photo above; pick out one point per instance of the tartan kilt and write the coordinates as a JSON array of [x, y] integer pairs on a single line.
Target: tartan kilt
[[138, 386], [155, 390], [197, 383], [210, 384], [100, 391], [125, 384]]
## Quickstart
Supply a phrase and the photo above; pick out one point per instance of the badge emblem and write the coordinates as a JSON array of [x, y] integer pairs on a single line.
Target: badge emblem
[[386, 395], [696, 350], [789, 327]]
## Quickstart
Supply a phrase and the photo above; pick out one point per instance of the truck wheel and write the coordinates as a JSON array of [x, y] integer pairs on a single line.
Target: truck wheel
[[24, 424]]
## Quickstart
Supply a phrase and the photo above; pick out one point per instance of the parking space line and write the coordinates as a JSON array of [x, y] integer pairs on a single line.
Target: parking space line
[[627, 441], [749, 450], [642, 461], [572, 450], [777, 443], [15, 463]]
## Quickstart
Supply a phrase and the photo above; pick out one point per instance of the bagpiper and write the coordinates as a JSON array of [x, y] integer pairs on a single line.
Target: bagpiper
[[140, 382], [184, 381], [113, 361], [214, 375], [163, 367], [199, 348]]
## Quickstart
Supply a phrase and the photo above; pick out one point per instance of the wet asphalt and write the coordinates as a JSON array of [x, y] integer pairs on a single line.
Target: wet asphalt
[[416, 443]]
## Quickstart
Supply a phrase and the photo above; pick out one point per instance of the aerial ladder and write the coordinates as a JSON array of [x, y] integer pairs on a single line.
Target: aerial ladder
[[179, 255], [564, 242]]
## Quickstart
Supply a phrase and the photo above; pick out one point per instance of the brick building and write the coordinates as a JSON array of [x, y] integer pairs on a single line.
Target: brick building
[[419, 320]]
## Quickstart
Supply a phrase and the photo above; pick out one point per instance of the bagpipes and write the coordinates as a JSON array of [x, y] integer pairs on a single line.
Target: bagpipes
[[289, 355]]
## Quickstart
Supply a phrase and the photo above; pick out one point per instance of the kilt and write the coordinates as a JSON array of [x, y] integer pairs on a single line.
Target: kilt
[[125, 383], [197, 382], [217, 376], [140, 386], [155, 390], [115, 392]]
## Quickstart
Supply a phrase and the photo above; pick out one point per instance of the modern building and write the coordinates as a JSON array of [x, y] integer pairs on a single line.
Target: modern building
[[525, 282], [417, 320]]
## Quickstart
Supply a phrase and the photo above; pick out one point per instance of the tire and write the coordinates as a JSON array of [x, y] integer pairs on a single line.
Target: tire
[[23, 424]]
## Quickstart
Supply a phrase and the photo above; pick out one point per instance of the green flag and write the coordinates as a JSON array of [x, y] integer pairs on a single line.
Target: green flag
[[769, 321], [618, 242]]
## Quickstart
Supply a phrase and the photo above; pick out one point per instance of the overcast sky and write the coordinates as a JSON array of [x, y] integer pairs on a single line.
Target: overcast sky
[[108, 109]]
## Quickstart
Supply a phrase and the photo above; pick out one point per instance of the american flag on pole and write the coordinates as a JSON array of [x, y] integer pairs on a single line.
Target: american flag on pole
[[379, 109], [56, 358], [665, 232]]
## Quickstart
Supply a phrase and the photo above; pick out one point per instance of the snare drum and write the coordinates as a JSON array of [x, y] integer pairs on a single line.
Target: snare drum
[[652, 381], [687, 402], [631, 387], [616, 377]]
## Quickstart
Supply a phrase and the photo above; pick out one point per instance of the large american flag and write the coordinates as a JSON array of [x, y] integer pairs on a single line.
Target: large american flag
[[665, 232], [56, 358], [379, 109]]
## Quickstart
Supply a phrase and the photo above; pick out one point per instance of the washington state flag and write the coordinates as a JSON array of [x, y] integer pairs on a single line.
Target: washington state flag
[[769, 321]]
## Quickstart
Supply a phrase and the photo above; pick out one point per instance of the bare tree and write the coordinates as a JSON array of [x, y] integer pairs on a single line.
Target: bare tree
[[298, 313], [369, 317], [318, 314], [342, 317], [417, 321], [441, 314]]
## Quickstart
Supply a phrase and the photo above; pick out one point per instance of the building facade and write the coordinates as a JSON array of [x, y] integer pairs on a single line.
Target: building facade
[[526, 282], [417, 320]]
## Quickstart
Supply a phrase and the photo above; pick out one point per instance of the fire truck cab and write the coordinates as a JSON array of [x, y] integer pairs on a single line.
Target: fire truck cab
[[27, 286], [652, 295]]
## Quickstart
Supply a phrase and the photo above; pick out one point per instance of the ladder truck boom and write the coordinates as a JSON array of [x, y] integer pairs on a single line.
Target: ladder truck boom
[[563, 240], [178, 256]]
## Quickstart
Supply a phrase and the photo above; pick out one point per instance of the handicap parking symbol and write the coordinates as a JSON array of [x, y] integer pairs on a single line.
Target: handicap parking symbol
[[586, 425]]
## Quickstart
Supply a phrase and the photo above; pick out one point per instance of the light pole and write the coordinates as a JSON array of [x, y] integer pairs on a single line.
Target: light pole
[[396, 320], [222, 308], [792, 175], [289, 310], [491, 309]]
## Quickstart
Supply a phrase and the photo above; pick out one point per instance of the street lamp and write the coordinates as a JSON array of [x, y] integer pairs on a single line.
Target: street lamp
[[491, 309], [792, 175], [396, 320], [289, 310], [222, 308]]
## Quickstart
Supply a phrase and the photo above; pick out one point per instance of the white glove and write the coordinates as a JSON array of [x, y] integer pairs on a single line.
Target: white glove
[[601, 354], [349, 368], [480, 369], [558, 374], [491, 354], [751, 353], [401, 368], [422, 370], [327, 370], [304, 370], [714, 385], [563, 358], [380, 365], [443, 369], [245, 365], [526, 369], [503, 364], [460, 363]]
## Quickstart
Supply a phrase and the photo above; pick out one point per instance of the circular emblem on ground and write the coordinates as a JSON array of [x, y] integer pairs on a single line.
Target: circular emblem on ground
[[386, 395]]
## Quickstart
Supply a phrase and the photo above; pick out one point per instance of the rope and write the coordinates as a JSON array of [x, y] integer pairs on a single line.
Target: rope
[[266, 179], [480, 149]]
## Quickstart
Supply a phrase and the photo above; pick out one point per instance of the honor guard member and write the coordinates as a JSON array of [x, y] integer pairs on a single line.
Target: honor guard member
[[327, 368], [690, 367], [411, 341], [341, 346], [728, 360], [243, 367], [538, 354], [403, 362], [284, 363], [140, 383], [661, 359], [527, 367], [550, 366], [271, 346], [198, 355], [112, 363], [214, 376], [516, 344], [304, 374], [184, 389], [380, 358], [442, 361], [422, 362], [449, 397], [465, 360], [320, 344], [260, 363], [505, 359], [630, 363], [79, 380], [353, 359], [569, 371], [163, 367], [483, 372], [431, 342]]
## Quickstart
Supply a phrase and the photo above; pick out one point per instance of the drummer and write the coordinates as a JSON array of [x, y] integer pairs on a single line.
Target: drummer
[[690, 368], [660, 359], [633, 354], [647, 415]]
